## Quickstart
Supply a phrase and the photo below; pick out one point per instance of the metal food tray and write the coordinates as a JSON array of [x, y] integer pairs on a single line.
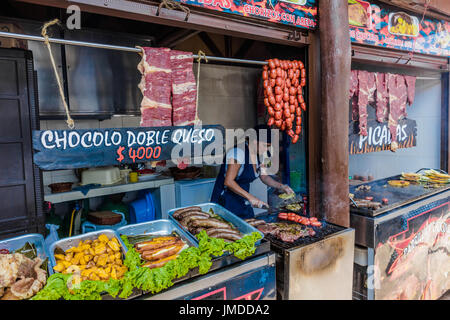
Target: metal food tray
[[68, 243], [157, 227], [240, 224], [37, 239]]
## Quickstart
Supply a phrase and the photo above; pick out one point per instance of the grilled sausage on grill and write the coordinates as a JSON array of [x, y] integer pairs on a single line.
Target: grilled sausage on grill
[[255, 222], [226, 235], [180, 211], [157, 243], [186, 221], [185, 214], [162, 253], [209, 223], [215, 230]]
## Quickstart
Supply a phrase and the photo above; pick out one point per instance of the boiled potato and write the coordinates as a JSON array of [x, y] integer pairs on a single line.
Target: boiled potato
[[103, 238], [59, 256], [59, 267], [114, 245], [69, 256], [102, 260], [93, 276], [100, 249]]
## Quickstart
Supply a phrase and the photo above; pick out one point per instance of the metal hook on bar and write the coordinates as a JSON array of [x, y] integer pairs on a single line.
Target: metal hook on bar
[[172, 5]]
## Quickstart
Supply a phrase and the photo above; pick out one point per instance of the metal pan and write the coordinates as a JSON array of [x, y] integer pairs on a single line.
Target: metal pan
[[159, 228], [240, 224], [68, 243]]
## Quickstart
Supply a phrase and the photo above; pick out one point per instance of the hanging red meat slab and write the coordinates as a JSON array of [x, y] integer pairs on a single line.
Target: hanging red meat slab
[[397, 104], [156, 86], [411, 88], [390, 92], [382, 97], [363, 100], [184, 88], [354, 92]]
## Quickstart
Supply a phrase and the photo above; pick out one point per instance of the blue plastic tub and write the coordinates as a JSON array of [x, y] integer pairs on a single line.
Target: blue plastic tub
[[143, 209], [89, 226], [239, 223]]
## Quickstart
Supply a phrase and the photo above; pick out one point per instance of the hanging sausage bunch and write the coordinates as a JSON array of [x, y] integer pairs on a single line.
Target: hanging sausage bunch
[[283, 95]]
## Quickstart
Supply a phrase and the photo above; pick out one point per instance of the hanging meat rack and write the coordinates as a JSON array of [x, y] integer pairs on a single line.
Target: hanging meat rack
[[136, 50], [113, 47]]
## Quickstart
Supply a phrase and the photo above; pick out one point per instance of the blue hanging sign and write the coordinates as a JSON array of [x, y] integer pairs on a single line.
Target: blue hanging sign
[[71, 149]]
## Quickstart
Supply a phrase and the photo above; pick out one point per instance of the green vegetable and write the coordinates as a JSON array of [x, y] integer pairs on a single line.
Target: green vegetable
[[28, 250], [150, 280], [132, 258], [55, 288]]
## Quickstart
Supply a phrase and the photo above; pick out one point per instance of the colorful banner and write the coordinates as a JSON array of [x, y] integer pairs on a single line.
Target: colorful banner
[[376, 25], [411, 255], [298, 13]]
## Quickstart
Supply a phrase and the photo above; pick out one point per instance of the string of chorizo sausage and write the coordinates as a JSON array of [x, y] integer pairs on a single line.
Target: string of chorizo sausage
[[283, 95]]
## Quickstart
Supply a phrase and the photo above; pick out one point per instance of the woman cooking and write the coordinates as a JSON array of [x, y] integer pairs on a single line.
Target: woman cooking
[[241, 167]]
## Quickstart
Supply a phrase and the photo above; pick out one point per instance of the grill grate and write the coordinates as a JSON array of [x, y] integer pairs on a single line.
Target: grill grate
[[321, 233]]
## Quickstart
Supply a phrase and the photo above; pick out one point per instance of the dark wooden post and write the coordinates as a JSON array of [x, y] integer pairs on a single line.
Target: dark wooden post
[[335, 51]]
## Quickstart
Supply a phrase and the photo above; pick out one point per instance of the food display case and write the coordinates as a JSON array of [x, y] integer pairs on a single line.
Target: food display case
[[405, 242], [223, 280]]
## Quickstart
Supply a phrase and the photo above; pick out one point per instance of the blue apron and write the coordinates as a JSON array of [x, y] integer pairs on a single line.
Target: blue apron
[[230, 200]]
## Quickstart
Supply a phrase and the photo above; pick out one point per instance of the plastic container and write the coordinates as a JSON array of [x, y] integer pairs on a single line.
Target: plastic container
[[142, 209], [88, 226], [159, 228], [68, 243], [239, 223], [191, 192], [53, 234], [36, 239], [103, 176]]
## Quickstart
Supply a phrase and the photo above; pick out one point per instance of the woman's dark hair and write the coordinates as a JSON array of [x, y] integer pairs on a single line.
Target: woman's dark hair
[[263, 133]]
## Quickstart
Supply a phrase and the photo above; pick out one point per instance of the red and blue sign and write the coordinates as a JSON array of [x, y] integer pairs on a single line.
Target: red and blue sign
[[297, 13], [379, 26]]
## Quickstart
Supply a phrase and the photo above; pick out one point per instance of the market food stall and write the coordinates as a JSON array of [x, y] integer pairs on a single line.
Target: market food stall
[[398, 152], [137, 261], [293, 70]]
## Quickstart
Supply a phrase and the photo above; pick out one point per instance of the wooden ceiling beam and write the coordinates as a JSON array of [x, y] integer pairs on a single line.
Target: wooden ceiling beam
[[244, 48], [210, 44], [222, 23], [175, 38]]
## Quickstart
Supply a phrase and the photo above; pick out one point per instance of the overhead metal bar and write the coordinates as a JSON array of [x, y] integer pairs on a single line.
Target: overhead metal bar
[[113, 47], [134, 49]]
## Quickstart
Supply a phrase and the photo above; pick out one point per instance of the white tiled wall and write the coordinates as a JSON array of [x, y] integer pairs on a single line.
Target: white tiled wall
[[56, 176], [426, 110], [227, 96]]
